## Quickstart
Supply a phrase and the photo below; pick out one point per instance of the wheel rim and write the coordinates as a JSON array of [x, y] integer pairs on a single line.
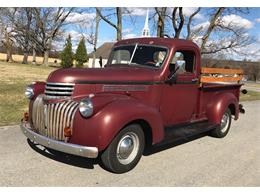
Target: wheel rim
[[224, 123], [127, 148]]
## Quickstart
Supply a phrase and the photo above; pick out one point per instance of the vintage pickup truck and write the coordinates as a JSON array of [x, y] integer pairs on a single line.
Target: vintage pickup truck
[[150, 91]]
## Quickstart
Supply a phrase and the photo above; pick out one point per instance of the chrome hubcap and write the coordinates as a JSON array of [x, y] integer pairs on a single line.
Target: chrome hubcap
[[127, 148], [224, 123]]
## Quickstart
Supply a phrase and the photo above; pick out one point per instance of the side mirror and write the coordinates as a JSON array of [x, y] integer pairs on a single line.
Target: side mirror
[[180, 67]]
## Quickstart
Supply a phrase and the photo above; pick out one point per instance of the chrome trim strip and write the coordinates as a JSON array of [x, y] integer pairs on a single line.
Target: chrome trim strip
[[59, 88], [67, 84], [84, 151], [49, 97], [58, 92]]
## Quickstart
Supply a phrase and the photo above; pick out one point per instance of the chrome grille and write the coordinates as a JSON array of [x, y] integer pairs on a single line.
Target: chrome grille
[[58, 90], [50, 119]]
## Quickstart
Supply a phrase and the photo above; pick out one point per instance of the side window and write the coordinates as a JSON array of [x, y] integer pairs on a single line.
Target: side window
[[188, 57]]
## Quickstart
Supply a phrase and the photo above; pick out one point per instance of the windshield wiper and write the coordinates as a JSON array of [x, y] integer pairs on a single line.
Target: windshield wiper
[[133, 54]]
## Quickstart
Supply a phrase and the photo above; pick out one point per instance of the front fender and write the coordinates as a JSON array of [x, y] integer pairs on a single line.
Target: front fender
[[100, 129], [218, 106]]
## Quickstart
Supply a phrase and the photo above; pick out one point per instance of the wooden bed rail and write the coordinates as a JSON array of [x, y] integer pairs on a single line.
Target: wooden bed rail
[[209, 75]]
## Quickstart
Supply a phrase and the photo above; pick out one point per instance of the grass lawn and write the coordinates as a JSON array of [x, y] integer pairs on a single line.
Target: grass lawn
[[250, 96], [15, 77], [13, 80]]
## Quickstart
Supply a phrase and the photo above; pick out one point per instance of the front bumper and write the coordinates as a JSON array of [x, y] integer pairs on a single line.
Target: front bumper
[[84, 151]]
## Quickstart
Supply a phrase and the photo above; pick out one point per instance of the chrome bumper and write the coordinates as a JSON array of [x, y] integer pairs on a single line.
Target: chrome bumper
[[89, 152]]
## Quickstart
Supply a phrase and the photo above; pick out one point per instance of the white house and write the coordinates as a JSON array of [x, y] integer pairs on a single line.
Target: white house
[[103, 51]]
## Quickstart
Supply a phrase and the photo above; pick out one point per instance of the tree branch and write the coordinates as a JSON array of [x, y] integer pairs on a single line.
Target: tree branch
[[211, 27], [105, 19], [189, 23]]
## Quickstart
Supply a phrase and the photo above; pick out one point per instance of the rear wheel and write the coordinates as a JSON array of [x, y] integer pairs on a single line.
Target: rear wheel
[[224, 126], [125, 150]]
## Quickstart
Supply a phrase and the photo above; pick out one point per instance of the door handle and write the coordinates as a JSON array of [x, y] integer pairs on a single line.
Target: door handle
[[194, 80]]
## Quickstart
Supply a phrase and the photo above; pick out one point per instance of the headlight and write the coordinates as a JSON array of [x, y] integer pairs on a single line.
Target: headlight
[[86, 107], [29, 91]]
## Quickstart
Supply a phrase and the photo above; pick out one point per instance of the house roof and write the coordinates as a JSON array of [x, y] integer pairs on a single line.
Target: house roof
[[103, 50]]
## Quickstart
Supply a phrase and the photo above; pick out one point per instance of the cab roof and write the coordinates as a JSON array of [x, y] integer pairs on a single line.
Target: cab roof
[[167, 42]]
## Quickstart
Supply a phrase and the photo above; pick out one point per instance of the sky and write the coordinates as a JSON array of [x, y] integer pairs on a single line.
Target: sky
[[134, 23]]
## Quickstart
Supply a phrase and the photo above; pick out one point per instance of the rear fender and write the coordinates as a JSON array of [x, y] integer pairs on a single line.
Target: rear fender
[[218, 106]]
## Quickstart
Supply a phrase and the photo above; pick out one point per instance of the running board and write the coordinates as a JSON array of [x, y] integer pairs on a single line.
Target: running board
[[175, 133]]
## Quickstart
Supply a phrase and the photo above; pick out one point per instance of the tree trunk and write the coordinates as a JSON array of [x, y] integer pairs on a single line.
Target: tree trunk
[[96, 38], [8, 44], [27, 37], [25, 58], [9, 55], [160, 24], [34, 54], [46, 52], [119, 23], [45, 57], [117, 26]]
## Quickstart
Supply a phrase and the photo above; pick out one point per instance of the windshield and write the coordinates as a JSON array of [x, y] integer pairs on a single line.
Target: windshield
[[145, 55]]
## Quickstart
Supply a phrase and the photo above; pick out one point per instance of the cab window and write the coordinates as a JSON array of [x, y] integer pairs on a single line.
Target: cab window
[[188, 57]]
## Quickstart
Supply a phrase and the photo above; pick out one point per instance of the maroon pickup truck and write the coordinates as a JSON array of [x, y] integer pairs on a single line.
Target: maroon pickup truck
[[149, 92]]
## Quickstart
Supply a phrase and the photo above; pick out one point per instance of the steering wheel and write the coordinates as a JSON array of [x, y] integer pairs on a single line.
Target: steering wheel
[[151, 63]]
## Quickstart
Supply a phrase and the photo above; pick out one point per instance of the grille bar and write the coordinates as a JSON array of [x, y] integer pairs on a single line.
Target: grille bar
[[58, 90], [50, 119], [61, 84]]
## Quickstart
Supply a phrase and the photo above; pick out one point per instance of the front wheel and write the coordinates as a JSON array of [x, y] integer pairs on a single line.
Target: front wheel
[[224, 126], [125, 150]]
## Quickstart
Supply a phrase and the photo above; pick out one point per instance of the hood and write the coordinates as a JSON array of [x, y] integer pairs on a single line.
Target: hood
[[104, 75]]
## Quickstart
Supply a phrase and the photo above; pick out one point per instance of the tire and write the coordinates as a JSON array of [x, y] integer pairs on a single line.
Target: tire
[[223, 129], [118, 159]]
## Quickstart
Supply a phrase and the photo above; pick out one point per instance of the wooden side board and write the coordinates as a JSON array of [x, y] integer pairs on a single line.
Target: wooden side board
[[221, 75], [209, 79], [221, 71]]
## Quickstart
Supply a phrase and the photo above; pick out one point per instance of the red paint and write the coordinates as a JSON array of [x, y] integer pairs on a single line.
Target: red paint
[[148, 98]]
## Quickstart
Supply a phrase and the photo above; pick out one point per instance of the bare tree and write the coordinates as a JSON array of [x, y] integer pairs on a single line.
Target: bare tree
[[49, 22], [118, 25], [22, 27], [7, 31], [211, 27], [161, 13], [217, 34], [177, 23], [190, 21]]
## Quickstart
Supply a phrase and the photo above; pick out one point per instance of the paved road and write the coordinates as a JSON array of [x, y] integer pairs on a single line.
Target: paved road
[[232, 161]]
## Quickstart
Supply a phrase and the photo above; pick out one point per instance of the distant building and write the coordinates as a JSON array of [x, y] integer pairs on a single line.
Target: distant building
[[103, 51], [146, 30]]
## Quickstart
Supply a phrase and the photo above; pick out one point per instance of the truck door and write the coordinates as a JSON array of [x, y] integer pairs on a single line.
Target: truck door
[[179, 100]]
